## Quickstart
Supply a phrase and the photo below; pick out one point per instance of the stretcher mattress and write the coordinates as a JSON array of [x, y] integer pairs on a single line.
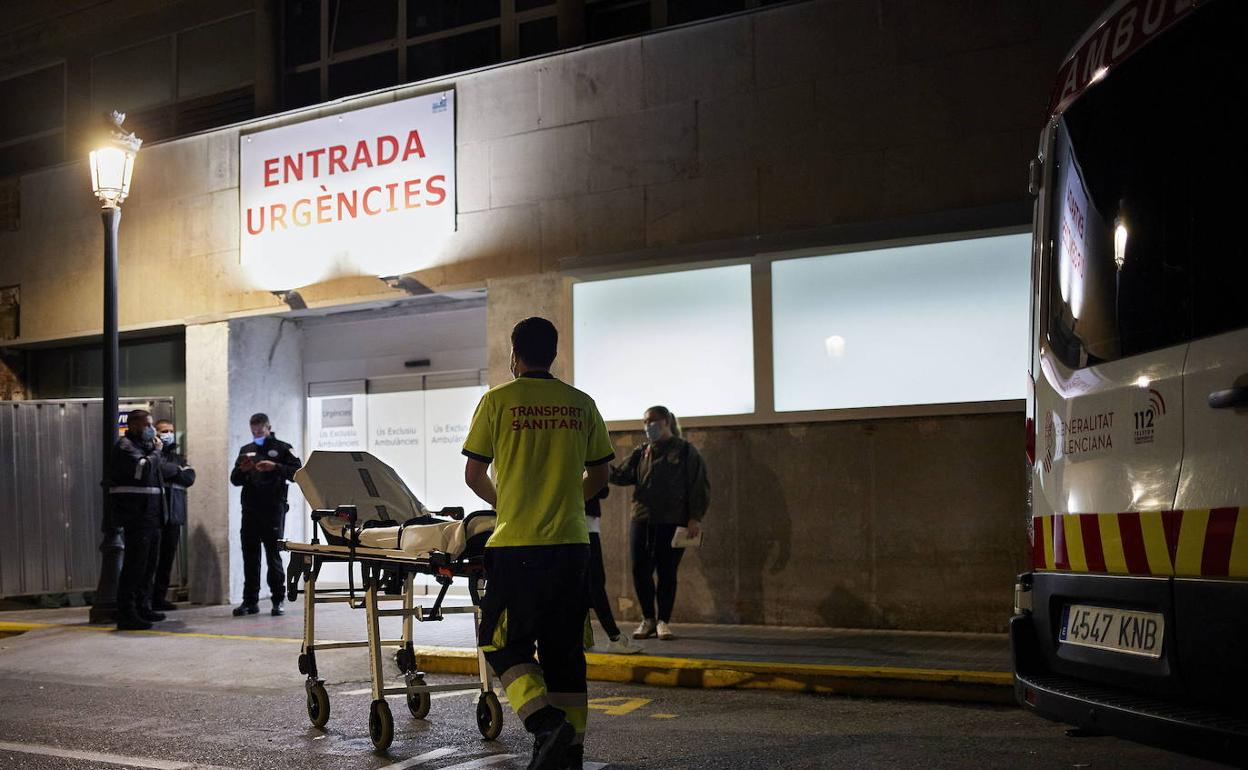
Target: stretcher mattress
[[455, 538]]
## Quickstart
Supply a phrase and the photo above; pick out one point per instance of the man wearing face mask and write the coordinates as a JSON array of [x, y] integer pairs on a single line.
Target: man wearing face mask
[[263, 469], [175, 503], [138, 473]]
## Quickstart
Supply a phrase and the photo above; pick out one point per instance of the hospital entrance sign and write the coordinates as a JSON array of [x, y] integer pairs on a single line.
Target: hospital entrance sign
[[368, 192]]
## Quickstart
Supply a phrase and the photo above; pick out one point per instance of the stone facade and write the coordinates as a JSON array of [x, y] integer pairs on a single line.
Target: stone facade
[[806, 125]]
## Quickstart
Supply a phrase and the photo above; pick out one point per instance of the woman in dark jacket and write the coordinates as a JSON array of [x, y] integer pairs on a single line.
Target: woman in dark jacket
[[671, 491]]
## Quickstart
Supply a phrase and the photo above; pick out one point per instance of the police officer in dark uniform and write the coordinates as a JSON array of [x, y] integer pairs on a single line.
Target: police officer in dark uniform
[[138, 473], [263, 469], [175, 505]]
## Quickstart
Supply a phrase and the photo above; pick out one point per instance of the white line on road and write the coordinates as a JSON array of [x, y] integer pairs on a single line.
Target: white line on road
[[428, 756], [493, 759], [110, 759]]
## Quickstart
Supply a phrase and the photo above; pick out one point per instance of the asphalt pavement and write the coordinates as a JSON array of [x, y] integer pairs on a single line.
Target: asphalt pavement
[[79, 699]]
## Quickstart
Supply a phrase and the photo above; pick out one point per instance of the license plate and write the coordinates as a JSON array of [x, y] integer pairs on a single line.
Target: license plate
[[1106, 628]]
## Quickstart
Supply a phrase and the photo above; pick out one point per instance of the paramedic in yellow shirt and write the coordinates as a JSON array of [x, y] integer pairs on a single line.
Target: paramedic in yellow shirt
[[542, 437]]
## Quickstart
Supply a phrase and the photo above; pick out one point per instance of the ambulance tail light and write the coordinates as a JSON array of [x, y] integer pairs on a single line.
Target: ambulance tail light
[[1031, 441]]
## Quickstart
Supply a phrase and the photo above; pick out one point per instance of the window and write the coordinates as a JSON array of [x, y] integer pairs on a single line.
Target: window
[[681, 11], [353, 23], [426, 16], [1149, 174], [301, 32], [364, 74], [201, 67], [538, 37], [134, 78], [608, 19], [684, 340], [453, 54], [180, 84], [32, 128], [929, 324]]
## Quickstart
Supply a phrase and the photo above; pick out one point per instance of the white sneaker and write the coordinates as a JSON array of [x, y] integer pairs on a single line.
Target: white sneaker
[[622, 645], [665, 632], [645, 630]]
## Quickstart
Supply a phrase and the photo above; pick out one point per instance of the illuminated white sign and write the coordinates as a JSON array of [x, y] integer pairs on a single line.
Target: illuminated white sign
[[369, 192]]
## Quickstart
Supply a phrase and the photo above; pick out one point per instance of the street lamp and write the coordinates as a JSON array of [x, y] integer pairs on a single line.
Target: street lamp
[[112, 164]]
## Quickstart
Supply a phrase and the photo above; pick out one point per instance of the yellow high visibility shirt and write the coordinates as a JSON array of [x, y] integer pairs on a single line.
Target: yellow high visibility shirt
[[540, 433]]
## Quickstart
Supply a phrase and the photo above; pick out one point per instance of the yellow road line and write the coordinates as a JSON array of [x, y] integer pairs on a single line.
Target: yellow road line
[[20, 627]]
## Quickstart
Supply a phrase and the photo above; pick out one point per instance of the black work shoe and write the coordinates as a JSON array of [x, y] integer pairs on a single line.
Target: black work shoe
[[160, 605], [574, 758], [550, 748], [132, 623], [149, 615], [246, 609], [278, 609]]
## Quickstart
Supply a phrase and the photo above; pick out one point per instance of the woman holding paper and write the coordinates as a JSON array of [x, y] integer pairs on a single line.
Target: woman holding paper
[[670, 499]]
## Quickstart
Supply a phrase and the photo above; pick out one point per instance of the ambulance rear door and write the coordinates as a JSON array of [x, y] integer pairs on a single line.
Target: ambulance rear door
[[1211, 519]]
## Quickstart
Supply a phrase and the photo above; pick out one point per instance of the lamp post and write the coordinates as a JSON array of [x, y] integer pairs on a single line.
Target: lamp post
[[112, 164]]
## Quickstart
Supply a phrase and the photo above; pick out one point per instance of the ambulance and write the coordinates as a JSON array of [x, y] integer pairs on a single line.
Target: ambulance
[[1133, 620]]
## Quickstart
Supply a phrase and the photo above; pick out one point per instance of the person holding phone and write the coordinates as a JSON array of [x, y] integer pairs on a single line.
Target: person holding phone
[[263, 469], [672, 492]]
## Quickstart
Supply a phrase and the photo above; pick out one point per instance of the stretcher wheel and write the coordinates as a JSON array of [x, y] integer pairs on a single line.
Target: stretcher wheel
[[419, 703], [318, 704], [380, 724], [489, 716]]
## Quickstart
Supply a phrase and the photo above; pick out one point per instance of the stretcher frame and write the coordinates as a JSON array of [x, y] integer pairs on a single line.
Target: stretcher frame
[[387, 576]]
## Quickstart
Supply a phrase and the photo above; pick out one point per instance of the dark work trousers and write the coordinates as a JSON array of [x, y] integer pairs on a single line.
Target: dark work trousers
[[598, 587], [653, 553], [138, 567], [262, 530], [170, 536], [537, 596]]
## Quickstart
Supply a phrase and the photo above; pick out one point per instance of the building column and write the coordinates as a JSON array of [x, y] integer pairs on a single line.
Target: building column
[[234, 369], [509, 300]]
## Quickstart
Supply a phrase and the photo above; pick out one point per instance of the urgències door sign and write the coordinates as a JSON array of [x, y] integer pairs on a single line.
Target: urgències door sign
[[368, 192]]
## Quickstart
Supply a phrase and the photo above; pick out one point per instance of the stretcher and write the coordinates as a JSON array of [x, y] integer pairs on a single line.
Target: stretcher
[[368, 517]]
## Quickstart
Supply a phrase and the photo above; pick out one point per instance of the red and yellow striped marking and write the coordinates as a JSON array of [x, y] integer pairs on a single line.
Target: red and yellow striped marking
[[1209, 542]]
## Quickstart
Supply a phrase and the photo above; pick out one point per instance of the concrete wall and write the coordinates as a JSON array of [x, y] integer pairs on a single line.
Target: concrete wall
[[235, 369], [805, 125], [906, 523], [789, 120]]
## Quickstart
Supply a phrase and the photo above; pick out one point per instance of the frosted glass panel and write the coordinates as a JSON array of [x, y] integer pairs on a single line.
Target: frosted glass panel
[[684, 340], [931, 324], [448, 412], [396, 423]]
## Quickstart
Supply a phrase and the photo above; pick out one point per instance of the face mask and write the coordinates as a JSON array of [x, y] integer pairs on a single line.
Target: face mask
[[654, 431], [167, 439], [260, 440], [149, 434]]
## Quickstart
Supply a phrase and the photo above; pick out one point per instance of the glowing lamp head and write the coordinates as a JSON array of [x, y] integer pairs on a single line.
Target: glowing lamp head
[[112, 164]]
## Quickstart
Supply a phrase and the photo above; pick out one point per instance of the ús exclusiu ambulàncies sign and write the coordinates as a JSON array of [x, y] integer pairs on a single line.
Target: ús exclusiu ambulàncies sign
[[369, 192]]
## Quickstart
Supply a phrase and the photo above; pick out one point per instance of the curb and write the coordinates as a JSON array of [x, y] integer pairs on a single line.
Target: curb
[[865, 681], [869, 681]]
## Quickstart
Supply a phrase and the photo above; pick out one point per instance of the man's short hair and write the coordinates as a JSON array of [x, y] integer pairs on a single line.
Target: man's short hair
[[259, 418], [163, 421], [535, 340], [137, 416]]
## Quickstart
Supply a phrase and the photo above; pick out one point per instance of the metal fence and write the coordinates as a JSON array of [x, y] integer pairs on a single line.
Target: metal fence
[[50, 496]]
